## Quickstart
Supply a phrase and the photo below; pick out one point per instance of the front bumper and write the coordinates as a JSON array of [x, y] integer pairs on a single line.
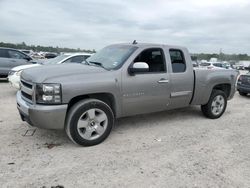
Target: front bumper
[[42, 116], [243, 88]]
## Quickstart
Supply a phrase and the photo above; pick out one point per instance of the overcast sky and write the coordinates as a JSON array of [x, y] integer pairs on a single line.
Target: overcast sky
[[200, 25]]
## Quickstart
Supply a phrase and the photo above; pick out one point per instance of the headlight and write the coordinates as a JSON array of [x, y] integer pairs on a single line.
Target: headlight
[[11, 73], [48, 94]]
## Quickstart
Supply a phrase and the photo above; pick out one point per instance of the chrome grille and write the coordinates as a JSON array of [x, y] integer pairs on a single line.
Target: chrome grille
[[27, 89]]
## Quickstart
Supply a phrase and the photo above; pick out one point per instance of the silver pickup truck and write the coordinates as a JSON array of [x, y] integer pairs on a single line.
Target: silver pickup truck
[[120, 80]]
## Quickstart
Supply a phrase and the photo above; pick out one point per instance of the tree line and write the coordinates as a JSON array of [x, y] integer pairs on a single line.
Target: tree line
[[38, 48], [221, 57], [195, 56]]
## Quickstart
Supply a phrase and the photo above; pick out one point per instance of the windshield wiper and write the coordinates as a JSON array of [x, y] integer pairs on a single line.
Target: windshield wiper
[[97, 63]]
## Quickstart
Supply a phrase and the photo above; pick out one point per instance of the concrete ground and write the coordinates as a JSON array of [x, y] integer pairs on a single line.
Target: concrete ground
[[179, 148]]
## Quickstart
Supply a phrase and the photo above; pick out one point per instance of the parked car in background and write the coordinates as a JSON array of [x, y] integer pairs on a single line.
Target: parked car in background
[[243, 83], [119, 80], [227, 65], [37, 55], [50, 55], [28, 52], [240, 67], [214, 65], [14, 74], [195, 64], [10, 58]]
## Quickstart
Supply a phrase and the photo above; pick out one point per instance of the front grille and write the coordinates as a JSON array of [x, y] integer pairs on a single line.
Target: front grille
[[26, 95], [26, 84], [246, 80], [27, 91]]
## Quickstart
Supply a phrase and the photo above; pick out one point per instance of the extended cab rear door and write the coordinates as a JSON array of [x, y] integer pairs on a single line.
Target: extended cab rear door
[[181, 77]]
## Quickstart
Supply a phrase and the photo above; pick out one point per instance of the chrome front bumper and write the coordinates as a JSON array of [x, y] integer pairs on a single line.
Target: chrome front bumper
[[42, 116]]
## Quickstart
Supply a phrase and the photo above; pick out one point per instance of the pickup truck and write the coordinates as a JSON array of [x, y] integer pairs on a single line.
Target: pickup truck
[[120, 80]]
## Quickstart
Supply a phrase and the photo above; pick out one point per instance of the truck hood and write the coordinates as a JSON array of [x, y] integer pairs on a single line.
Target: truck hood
[[42, 74]]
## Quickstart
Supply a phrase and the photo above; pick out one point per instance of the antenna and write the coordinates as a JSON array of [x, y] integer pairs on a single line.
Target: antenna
[[134, 42]]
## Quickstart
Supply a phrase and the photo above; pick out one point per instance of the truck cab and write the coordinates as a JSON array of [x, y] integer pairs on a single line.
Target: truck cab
[[166, 84]]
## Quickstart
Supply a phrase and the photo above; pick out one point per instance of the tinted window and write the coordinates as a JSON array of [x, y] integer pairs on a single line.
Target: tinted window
[[154, 58], [15, 54], [4, 53], [177, 61]]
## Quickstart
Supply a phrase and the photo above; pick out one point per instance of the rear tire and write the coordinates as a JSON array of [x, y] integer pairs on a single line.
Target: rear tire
[[216, 105], [89, 122], [242, 93]]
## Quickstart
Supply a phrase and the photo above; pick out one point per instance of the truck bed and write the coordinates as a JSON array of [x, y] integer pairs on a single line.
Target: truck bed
[[206, 80]]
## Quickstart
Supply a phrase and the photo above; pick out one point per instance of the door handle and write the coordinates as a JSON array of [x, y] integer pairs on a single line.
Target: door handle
[[163, 80]]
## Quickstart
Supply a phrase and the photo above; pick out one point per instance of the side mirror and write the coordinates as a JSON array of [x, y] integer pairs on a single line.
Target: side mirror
[[138, 67]]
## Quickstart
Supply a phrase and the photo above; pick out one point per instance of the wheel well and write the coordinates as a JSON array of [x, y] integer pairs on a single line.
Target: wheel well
[[226, 88], [105, 97]]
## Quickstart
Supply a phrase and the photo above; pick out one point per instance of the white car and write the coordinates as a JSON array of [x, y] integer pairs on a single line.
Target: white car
[[14, 74], [214, 65]]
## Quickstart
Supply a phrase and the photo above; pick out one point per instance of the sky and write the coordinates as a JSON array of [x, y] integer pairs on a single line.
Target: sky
[[200, 25]]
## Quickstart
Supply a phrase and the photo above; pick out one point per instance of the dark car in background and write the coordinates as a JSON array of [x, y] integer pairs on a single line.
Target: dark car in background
[[10, 58], [50, 55], [243, 84]]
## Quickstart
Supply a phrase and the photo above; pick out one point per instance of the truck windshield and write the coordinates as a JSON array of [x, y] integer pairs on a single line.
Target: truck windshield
[[112, 57]]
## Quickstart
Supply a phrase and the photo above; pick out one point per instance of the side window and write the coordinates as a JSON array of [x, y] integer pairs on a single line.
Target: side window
[[76, 59], [177, 60], [15, 54], [4, 53], [154, 58]]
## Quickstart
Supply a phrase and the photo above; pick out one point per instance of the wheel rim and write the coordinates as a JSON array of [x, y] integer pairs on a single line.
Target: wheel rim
[[218, 105], [92, 124]]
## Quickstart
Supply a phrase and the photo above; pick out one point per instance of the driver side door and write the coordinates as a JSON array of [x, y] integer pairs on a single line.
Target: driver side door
[[148, 91]]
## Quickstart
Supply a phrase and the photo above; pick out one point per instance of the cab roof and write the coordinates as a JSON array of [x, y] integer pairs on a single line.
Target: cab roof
[[145, 45]]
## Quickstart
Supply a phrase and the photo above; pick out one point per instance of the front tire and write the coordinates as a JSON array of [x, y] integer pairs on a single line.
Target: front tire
[[216, 105], [89, 122]]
